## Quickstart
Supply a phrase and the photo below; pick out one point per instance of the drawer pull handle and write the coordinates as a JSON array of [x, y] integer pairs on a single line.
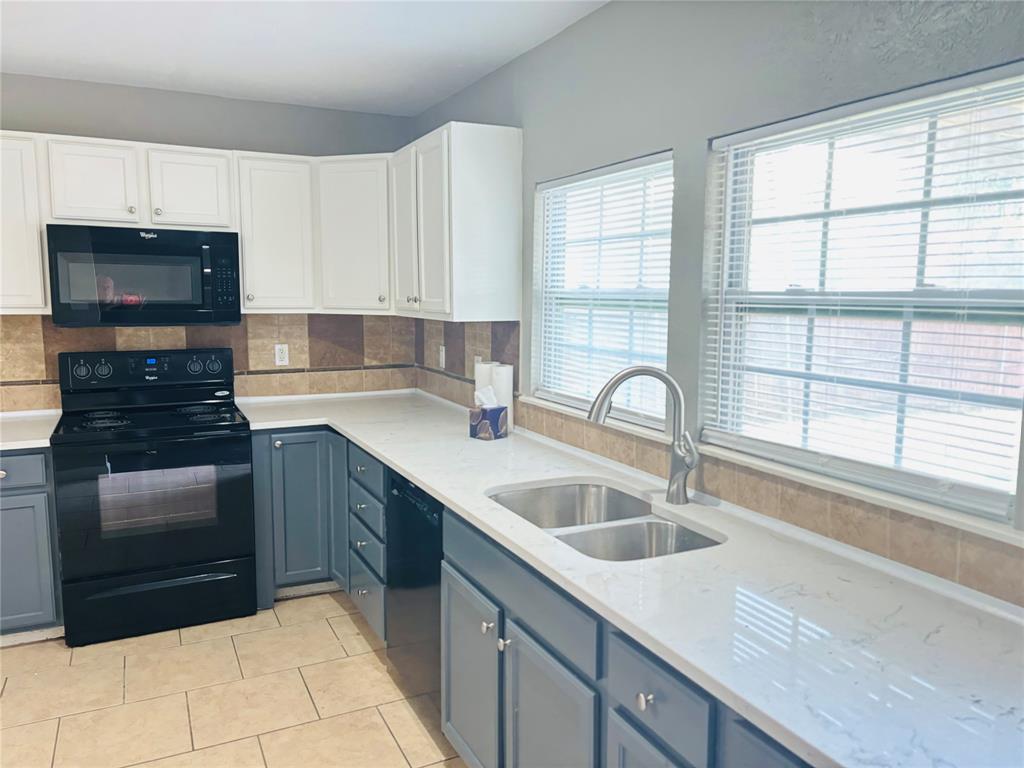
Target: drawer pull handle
[[3, 474], [360, 506], [644, 700], [486, 626], [503, 644], [360, 544], [362, 592], [360, 468]]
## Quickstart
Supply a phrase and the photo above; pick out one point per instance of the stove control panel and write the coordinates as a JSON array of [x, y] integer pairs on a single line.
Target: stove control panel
[[165, 367]]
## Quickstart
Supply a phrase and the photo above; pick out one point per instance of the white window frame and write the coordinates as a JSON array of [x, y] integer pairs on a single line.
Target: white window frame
[[976, 501], [617, 413]]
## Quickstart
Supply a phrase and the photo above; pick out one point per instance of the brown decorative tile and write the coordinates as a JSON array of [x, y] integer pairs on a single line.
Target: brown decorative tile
[[757, 491], [403, 378], [376, 340], [419, 340], [262, 384], [376, 379], [992, 567], [57, 339], [505, 346], [146, 337], [717, 478], [28, 746], [653, 457], [264, 331], [234, 336], [923, 544], [478, 344], [124, 735], [403, 340], [859, 524], [804, 506], [29, 397], [433, 338], [21, 339], [335, 341], [455, 348], [356, 740]]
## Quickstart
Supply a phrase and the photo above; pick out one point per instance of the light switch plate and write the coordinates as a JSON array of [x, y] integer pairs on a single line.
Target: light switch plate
[[280, 354]]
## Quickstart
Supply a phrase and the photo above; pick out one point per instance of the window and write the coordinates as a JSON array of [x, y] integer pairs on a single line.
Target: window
[[602, 298], [864, 297]]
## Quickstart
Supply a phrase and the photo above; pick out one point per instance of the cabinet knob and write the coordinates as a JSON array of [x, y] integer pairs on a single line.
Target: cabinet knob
[[131, 209], [382, 298], [360, 544], [644, 700], [360, 468], [362, 592], [415, 299], [3, 474], [278, 443], [360, 506], [503, 644], [408, 299], [249, 297], [486, 626], [158, 211]]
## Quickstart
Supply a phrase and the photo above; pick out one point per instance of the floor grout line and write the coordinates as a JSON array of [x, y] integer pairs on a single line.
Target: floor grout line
[[316, 707], [263, 756], [394, 738], [56, 738], [188, 714]]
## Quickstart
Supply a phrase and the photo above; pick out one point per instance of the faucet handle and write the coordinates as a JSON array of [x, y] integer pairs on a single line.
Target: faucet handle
[[691, 456]]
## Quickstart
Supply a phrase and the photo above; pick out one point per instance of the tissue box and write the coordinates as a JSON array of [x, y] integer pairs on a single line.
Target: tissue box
[[488, 422]]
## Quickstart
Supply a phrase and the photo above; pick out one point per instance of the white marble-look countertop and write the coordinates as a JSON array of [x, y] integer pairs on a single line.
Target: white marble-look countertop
[[27, 429], [843, 657]]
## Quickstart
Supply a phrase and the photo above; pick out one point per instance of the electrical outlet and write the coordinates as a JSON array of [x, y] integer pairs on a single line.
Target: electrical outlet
[[280, 354], [440, 356]]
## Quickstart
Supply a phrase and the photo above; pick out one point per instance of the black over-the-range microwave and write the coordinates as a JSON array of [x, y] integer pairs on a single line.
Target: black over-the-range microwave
[[125, 276]]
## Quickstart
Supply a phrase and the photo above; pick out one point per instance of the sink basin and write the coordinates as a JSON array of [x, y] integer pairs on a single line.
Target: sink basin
[[562, 506], [636, 541]]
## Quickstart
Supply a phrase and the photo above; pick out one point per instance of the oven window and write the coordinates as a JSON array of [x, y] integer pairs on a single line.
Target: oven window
[[153, 500], [129, 280]]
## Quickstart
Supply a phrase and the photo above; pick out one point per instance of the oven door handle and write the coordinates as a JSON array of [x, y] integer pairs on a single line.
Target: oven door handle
[[153, 586]]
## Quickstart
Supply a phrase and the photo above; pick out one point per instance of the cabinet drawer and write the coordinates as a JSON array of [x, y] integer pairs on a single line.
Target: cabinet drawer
[[367, 593], [741, 745], [565, 627], [366, 508], [679, 713], [367, 545], [22, 471], [367, 470]]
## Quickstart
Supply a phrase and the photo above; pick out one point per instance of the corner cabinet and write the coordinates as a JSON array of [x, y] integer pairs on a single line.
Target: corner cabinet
[[353, 214], [456, 223], [276, 214], [22, 273]]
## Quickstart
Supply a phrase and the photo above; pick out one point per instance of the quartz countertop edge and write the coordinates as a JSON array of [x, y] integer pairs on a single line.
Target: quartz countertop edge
[[842, 663], [21, 430]]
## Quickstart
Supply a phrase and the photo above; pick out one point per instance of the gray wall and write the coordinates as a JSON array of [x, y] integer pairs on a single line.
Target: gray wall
[[79, 108], [634, 78]]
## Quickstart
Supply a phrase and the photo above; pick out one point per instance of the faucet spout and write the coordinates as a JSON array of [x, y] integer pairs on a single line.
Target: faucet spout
[[684, 452]]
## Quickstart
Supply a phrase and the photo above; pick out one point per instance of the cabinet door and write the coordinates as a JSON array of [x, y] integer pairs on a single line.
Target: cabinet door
[[433, 222], [628, 748], [299, 476], [26, 567], [337, 462], [470, 707], [94, 181], [192, 188], [21, 260], [354, 233], [404, 243], [550, 714], [277, 232]]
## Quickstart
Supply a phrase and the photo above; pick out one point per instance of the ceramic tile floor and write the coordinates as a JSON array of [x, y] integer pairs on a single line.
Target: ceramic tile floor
[[300, 685]]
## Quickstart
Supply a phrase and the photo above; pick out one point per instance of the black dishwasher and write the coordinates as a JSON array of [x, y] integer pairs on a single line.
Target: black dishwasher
[[413, 605]]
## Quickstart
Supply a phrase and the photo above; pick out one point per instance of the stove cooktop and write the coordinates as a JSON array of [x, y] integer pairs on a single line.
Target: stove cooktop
[[111, 424]]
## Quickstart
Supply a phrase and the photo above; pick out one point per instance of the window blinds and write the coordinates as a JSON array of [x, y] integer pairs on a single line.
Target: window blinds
[[603, 294], [864, 297]]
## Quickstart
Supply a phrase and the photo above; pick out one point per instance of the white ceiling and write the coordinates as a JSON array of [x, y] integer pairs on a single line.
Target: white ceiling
[[394, 58]]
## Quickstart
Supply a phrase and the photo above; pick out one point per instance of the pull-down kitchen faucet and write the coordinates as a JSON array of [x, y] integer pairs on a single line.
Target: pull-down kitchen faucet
[[684, 453]]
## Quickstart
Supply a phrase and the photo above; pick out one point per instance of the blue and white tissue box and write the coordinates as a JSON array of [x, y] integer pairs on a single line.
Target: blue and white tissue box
[[488, 422]]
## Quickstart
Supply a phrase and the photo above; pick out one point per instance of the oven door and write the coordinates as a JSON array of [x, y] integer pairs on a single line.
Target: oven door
[[117, 276], [158, 504]]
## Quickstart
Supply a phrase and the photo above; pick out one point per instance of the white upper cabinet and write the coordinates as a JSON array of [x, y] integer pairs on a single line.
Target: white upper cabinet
[[190, 187], [94, 180], [456, 221], [433, 223], [404, 244], [22, 276], [354, 233], [277, 231]]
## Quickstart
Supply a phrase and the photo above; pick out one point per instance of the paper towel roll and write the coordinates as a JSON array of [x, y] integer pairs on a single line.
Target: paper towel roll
[[483, 375], [501, 380]]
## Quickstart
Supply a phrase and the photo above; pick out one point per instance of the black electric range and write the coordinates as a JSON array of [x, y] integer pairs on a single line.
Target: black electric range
[[153, 478]]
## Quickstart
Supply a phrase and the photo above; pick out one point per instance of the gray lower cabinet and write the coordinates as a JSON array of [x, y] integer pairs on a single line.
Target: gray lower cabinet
[[470, 626], [337, 463], [550, 714], [300, 497], [628, 748]]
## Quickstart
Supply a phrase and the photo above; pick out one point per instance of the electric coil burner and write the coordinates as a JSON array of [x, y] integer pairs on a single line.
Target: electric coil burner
[[153, 476]]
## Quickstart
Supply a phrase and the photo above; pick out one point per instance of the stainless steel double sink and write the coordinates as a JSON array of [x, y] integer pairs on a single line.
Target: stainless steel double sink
[[601, 522]]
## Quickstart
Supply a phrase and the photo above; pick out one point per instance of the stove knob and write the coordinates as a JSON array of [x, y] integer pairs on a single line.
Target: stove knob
[[214, 366], [82, 371], [103, 370], [194, 367]]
